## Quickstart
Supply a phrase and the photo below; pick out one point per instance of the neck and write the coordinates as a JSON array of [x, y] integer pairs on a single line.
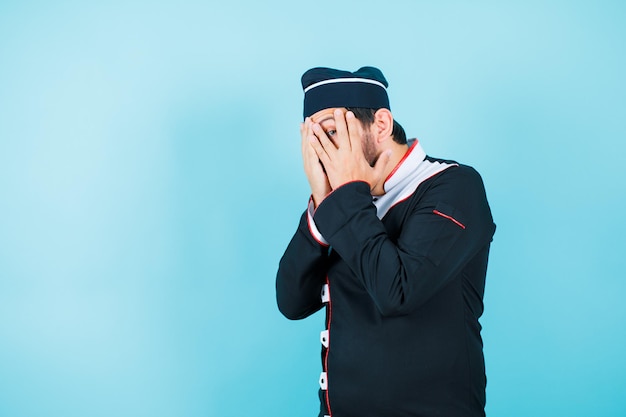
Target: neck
[[397, 153]]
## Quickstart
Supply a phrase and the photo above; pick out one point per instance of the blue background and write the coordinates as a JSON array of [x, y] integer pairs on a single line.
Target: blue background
[[150, 178]]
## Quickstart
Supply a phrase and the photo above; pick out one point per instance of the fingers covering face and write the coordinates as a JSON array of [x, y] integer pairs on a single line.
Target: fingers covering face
[[353, 131], [342, 137], [304, 132], [324, 148]]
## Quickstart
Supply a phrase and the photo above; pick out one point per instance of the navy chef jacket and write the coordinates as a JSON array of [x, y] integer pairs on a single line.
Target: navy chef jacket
[[402, 277]]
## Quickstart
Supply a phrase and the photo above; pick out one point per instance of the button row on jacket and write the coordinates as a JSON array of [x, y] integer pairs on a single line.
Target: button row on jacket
[[325, 294], [323, 381], [324, 338]]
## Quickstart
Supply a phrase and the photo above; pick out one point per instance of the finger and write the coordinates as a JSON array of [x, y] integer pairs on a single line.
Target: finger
[[328, 145], [304, 132], [381, 165], [343, 138], [309, 154], [354, 132], [319, 149], [304, 126], [302, 129]]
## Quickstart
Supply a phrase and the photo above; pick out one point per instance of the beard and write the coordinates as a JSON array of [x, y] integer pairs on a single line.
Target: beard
[[369, 148]]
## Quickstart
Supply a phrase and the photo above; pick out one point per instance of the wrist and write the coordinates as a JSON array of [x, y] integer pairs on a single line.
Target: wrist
[[317, 199]]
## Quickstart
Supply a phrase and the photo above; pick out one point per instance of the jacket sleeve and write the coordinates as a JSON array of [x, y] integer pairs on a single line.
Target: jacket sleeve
[[441, 234], [302, 273]]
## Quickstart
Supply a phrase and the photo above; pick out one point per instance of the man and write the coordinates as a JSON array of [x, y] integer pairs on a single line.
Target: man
[[394, 245]]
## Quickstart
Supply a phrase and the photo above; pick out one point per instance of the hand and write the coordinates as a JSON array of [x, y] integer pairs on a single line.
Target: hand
[[313, 169], [344, 160]]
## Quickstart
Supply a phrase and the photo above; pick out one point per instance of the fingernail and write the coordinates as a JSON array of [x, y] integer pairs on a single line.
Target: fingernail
[[350, 115]]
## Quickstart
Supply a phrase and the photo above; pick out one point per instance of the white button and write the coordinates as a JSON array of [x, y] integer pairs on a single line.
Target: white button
[[323, 381], [325, 294], [324, 338]]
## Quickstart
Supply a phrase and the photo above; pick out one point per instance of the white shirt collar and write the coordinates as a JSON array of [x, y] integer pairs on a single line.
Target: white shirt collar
[[412, 170]]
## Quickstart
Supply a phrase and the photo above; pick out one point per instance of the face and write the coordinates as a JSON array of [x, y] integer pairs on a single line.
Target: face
[[326, 120]]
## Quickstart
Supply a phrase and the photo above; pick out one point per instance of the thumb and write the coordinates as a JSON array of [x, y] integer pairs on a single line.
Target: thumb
[[381, 164]]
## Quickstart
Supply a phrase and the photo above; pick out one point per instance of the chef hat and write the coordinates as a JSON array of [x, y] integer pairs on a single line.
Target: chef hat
[[327, 88]]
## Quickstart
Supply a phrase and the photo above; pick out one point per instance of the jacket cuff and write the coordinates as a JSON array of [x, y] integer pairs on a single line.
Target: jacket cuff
[[312, 226], [339, 207]]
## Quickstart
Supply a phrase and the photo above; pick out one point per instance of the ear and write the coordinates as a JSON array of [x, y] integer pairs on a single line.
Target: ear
[[383, 125]]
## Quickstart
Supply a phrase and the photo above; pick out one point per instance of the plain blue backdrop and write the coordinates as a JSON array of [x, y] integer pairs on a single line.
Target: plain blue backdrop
[[150, 178]]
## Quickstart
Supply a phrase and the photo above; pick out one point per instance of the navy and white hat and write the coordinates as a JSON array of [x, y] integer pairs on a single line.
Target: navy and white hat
[[327, 88]]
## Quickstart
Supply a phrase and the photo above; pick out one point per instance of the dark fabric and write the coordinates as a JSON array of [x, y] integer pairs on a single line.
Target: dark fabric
[[406, 294], [343, 94], [317, 74]]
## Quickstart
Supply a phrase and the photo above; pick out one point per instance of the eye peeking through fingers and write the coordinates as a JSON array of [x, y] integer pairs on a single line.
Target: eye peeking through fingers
[[331, 132]]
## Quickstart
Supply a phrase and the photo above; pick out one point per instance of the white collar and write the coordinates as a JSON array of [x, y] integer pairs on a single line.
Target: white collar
[[412, 170]]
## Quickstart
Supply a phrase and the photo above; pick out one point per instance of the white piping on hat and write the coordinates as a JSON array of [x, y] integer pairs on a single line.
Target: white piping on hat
[[344, 80]]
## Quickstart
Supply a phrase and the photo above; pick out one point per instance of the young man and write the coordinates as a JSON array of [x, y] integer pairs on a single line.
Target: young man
[[394, 245]]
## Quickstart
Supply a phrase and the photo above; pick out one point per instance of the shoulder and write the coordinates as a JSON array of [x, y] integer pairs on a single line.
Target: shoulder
[[460, 186], [457, 172]]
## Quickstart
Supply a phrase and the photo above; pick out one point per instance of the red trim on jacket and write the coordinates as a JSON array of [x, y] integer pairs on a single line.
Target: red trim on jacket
[[437, 212], [308, 223], [406, 155], [411, 195]]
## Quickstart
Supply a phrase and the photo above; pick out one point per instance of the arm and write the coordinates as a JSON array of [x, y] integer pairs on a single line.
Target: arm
[[302, 269], [302, 272], [442, 233]]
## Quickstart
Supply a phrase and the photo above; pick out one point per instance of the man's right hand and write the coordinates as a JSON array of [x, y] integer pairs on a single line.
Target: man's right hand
[[320, 187]]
